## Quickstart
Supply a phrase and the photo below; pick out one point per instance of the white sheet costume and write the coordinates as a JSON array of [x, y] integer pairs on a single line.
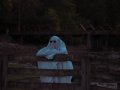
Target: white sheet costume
[[55, 46]]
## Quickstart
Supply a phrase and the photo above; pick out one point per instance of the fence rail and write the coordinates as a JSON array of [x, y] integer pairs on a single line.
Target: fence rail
[[19, 72], [43, 86], [88, 68]]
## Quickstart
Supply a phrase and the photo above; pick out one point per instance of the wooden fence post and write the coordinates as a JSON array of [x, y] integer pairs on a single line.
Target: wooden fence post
[[88, 68], [85, 83], [4, 72], [0, 74], [83, 74]]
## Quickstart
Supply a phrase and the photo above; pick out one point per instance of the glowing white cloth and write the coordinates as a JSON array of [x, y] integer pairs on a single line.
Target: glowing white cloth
[[55, 46]]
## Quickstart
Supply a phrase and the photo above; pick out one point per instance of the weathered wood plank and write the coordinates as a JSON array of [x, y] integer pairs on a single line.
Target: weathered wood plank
[[16, 89], [1, 74], [77, 66], [74, 57], [30, 73], [4, 73], [71, 57], [44, 86], [101, 77]]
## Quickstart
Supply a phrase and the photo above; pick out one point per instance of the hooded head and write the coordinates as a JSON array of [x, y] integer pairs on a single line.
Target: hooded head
[[56, 43]]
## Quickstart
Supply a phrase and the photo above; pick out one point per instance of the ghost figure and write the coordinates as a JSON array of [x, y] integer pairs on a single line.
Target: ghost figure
[[55, 46]]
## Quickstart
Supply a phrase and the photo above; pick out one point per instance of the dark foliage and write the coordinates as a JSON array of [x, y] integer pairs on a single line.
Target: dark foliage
[[60, 14]]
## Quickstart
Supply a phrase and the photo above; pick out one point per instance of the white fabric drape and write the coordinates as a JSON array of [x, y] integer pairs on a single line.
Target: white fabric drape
[[55, 46]]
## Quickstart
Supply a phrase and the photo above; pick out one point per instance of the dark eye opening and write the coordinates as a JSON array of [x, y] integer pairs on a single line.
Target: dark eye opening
[[54, 41], [50, 41]]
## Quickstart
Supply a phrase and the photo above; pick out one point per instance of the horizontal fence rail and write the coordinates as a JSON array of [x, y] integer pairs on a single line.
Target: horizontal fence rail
[[98, 67], [36, 73], [23, 71], [43, 86], [26, 58]]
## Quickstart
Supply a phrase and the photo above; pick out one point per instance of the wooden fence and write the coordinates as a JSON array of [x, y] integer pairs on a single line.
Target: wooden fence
[[92, 71], [21, 73]]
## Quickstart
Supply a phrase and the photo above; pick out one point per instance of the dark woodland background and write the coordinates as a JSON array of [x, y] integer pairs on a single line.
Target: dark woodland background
[[49, 17], [60, 14]]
